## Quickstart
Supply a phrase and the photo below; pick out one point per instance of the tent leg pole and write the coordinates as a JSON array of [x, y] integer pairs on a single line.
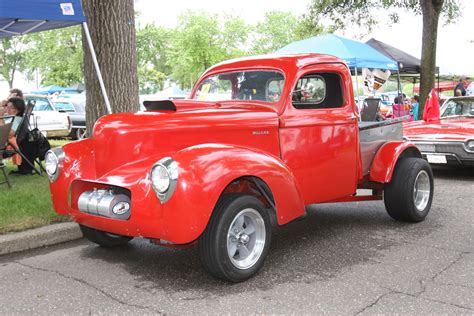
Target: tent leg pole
[[96, 66], [400, 94]]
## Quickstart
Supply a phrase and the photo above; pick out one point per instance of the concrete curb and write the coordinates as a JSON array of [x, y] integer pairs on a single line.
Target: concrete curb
[[39, 237]]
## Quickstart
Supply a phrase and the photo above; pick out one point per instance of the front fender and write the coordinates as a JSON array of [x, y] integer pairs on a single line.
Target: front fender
[[386, 158], [206, 170]]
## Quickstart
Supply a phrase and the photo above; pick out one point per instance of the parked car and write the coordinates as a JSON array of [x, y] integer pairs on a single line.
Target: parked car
[[260, 139], [75, 108], [47, 118], [449, 141]]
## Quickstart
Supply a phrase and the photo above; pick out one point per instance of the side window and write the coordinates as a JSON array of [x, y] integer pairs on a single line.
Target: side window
[[318, 91]]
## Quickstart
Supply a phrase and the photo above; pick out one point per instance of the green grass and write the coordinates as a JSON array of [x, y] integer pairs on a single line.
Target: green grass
[[28, 203]]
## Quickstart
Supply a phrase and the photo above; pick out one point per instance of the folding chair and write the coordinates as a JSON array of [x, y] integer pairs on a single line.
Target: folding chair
[[4, 133], [22, 132]]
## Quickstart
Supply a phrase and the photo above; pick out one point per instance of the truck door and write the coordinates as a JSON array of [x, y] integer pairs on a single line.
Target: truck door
[[319, 133]]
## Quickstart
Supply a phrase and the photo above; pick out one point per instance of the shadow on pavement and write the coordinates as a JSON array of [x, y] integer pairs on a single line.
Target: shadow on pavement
[[453, 173], [331, 238]]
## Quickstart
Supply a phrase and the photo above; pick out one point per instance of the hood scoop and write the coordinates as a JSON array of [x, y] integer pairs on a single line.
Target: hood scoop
[[159, 105]]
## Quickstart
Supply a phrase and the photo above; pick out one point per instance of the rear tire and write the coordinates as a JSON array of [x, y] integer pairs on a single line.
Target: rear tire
[[237, 238], [409, 195], [104, 239]]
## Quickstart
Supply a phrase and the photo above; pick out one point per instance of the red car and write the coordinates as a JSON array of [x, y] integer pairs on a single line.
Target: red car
[[261, 139], [449, 141]]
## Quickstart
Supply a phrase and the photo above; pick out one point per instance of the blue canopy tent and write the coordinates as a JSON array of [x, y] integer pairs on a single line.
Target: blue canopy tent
[[54, 89], [355, 54], [27, 16]]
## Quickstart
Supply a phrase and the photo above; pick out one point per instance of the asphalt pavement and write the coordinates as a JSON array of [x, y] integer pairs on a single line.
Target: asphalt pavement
[[342, 259]]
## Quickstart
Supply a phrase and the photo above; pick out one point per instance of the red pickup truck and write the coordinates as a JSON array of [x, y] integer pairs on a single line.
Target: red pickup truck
[[259, 140]]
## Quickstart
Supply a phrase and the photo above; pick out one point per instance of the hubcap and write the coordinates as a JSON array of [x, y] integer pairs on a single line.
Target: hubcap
[[246, 238], [421, 190]]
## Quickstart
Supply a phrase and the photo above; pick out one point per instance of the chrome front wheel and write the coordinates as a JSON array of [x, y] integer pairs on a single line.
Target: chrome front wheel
[[246, 238], [237, 238]]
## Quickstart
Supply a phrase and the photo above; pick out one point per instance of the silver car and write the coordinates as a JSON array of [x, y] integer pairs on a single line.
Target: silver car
[[47, 119]]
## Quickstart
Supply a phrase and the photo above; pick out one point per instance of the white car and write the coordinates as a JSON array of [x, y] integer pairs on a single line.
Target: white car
[[47, 119]]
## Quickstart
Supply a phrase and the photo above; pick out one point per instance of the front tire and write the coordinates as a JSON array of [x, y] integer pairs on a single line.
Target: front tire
[[104, 239], [236, 241], [409, 195]]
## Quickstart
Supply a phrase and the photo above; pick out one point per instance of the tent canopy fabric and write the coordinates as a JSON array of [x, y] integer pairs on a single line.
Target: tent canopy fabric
[[409, 64], [53, 89], [439, 86], [26, 16], [355, 54]]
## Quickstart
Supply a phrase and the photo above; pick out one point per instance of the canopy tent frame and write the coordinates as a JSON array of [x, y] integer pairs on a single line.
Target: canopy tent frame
[[57, 14], [357, 55]]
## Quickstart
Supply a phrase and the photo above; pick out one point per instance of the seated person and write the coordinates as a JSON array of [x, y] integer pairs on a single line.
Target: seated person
[[19, 134]]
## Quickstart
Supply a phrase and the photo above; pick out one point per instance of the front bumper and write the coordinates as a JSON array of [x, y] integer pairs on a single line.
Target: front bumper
[[447, 153], [180, 220]]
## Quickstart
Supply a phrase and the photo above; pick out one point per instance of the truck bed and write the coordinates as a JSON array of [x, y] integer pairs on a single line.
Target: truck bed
[[374, 134]]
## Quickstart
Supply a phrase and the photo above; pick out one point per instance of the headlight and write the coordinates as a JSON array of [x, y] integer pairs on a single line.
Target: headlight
[[470, 145], [53, 162], [164, 176], [160, 178]]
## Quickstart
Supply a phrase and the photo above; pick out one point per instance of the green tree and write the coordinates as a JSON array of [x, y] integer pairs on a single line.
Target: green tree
[[12, 57], [362, 13], [153, 45], [279, 29], [200, 41], [57, 55]]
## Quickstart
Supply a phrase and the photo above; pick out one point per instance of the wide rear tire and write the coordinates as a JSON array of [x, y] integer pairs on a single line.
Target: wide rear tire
[[237, 238], [409, 195], [104, 239]]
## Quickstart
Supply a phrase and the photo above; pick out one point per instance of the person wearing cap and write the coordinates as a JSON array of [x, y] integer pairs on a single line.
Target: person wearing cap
[[459, 90]]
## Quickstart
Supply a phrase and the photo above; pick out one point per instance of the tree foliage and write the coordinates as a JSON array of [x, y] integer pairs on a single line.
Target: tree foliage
[[12, 58], [57, 55], [341, 14], [346, 13], [178, 54], [198, 43], [153, 44]]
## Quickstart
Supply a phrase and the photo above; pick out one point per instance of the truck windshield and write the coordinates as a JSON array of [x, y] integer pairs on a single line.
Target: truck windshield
[[261, 85], [458, 107]]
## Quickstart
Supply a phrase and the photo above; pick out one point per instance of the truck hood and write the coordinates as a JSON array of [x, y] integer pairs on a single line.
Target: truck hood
[[453, 129], [122, 138]]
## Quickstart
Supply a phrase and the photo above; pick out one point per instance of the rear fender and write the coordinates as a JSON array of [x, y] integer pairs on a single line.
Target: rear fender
[[206, 170], [386, 159]]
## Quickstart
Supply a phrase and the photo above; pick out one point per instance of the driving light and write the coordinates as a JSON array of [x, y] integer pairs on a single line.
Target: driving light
[[164, 176], [52, 163]]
